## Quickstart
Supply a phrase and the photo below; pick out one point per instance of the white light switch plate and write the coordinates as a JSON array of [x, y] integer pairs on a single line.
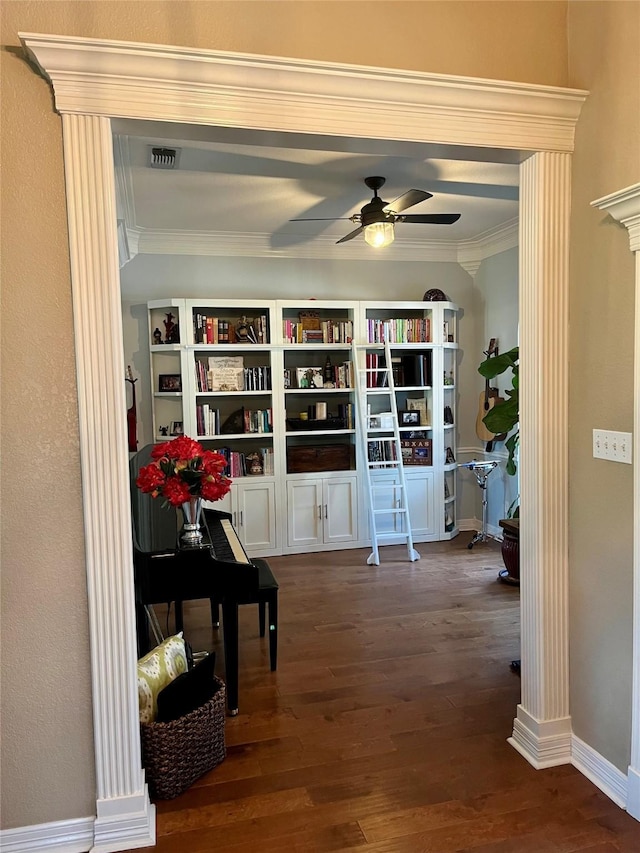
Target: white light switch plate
[[614, 446]]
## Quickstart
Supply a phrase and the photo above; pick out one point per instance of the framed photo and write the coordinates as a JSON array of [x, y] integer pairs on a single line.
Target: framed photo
[[169, 382], [309, 377], [409, 417], [420, 406], [176, 428]]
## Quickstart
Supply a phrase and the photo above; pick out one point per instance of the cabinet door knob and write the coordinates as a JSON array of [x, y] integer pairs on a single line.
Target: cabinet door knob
[[326, 510], [320, 511]]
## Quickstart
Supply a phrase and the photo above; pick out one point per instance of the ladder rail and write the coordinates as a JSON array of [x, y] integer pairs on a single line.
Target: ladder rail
[[386, 436]]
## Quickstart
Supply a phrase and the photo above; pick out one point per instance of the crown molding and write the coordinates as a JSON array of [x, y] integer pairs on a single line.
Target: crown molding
[[624, 207], [259, 245], [133, 80], [490, 242], [469, 253]]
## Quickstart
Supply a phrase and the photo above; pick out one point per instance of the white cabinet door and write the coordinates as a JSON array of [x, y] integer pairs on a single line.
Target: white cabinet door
[[420, 498], [304, 509], [251, 505], [340, 513], [255, 514], [386, 499]]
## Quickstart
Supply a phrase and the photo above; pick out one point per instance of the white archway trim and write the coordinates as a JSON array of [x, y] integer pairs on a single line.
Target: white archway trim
[[624, 207], [95, 80], [133, 80]]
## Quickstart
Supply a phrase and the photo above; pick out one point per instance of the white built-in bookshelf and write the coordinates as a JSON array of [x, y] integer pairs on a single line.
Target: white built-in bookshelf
[[272, 385]]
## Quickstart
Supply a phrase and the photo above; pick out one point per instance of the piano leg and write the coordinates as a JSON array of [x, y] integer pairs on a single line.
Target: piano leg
[[215, 613], [273, 629], [179, 616], [261, 616], [230, 635]]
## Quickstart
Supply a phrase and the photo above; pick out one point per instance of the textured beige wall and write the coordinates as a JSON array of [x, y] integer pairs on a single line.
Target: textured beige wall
[[604, 58], [47, 757]]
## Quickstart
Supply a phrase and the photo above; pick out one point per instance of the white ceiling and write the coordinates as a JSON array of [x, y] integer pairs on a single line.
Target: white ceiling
[[244, 187]]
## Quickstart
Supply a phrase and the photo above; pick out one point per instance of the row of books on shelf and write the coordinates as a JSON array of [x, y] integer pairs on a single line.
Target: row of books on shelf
[[416, 330], [244, 464], [327, 332], [218, 330], [208, 421], [228, 373], [406, 370]]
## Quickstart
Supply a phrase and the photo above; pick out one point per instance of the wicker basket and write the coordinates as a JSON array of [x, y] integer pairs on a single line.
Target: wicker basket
[[175, 754]]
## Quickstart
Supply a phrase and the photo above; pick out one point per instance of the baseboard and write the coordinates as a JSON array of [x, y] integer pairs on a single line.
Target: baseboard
[[598, 770], [123, 823], [468, 524], [551, 743], [61, 836]]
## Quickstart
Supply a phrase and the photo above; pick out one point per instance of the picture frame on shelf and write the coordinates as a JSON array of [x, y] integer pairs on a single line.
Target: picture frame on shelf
[[309, 377], [409, 417], [171, 382], [177, 428], [419, 405]]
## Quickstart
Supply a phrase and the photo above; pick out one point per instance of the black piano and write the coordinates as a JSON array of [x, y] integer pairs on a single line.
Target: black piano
[[219, 570]]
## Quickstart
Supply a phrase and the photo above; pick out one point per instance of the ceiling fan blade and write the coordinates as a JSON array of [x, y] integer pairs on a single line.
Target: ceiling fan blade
[[406, 200], [328, 219], [351, 235], [433, 218]]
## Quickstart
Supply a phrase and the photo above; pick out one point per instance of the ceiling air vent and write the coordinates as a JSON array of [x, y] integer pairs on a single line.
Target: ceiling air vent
[[163, 158]]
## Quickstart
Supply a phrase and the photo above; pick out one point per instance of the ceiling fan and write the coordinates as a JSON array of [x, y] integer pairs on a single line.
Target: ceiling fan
[[378, 217]]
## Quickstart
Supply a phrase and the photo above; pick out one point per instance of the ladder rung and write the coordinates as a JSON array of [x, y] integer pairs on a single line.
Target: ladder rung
[[399, 535], [386, 487], [396, 511]]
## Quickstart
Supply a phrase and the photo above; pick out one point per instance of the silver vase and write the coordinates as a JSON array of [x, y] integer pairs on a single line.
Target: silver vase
[[192, 535]]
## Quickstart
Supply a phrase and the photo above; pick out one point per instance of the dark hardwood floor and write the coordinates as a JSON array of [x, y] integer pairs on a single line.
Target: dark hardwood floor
[[385, 728]]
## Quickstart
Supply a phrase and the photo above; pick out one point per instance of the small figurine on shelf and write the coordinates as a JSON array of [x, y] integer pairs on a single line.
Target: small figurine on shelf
[[157, 337], [245, 333], [328, 375], [171, 331], [255, 463], [450, 458], [163, 430]]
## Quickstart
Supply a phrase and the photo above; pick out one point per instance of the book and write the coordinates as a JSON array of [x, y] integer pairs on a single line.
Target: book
[[416, 451], [226, 373]]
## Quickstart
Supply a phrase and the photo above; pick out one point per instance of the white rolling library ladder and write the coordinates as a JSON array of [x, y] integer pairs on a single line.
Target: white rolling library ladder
[[381, 447]]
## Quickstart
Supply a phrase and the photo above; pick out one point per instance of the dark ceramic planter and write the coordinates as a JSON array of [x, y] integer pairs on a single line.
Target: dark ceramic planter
[[510, 550]]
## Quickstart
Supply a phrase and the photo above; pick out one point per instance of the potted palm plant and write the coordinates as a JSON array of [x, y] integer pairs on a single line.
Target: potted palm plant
[[504, 417]]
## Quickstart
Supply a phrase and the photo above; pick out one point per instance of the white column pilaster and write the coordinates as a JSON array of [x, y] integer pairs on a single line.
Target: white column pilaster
[[624, 207], [542, 728], [124, 814]]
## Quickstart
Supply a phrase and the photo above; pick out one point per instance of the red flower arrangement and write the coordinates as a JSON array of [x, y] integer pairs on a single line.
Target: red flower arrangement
[[182, 470]]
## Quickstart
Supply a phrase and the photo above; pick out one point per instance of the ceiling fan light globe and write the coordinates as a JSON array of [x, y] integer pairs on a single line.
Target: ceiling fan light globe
[[379, 234]]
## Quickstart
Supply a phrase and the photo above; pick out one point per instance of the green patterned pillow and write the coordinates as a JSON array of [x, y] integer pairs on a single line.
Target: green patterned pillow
[[157, 669]]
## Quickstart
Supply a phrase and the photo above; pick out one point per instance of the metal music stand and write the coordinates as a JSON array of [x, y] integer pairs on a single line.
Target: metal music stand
[[481, 471]]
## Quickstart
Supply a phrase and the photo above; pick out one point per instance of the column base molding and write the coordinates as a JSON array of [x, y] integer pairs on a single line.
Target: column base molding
[[633, 793], [543, 743], [124, 823]]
